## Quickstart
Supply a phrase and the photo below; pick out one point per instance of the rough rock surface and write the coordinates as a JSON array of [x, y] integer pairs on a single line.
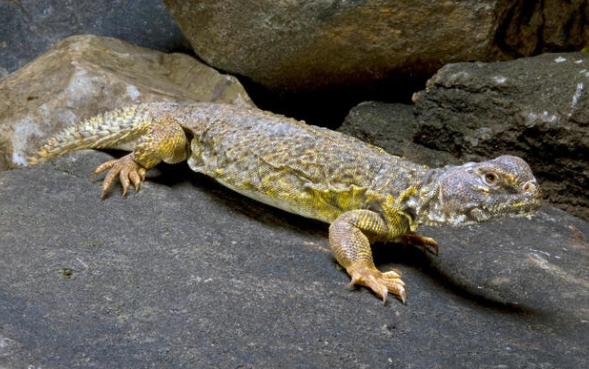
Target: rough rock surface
[[392, 127], [536, 108], [306, 45], [30, 27], [86, 75], [186, 274]]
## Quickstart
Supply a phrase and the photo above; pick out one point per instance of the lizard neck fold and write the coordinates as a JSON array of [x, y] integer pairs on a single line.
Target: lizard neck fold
[[407, 195], [428, 198], [424, 197]]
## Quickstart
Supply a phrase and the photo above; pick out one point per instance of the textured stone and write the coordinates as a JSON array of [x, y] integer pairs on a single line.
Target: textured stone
[[392, 127], [30, 27], [536, 108], [307, 45], [187, 274], [86, 75]]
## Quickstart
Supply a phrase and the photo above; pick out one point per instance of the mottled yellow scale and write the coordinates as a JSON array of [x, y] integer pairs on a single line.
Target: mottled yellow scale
[[306, 170]]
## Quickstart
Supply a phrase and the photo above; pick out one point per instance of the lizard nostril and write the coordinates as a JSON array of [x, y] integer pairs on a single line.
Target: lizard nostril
[[530, 186]]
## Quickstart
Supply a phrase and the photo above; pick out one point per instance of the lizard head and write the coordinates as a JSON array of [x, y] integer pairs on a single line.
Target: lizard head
[[477, 192]]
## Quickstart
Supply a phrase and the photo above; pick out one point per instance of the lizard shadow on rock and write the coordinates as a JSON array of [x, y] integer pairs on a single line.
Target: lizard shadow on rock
[[174, 175], [414, 257]]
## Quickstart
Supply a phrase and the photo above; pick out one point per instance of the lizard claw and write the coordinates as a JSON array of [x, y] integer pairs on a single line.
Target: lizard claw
[[380, 283], [426, 243], [127, 169]]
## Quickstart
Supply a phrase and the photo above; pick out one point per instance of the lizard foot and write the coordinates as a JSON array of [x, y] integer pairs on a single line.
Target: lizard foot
[[426, 243], [380, 283], [127, 169]]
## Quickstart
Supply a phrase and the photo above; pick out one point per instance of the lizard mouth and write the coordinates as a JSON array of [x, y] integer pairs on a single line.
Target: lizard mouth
[[507, 209], [503, 208]]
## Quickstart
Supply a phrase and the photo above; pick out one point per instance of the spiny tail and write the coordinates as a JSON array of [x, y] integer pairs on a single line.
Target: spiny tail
[[101, 131]]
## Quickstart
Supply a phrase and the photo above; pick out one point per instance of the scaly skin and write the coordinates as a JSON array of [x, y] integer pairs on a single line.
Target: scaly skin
[[364, 193]]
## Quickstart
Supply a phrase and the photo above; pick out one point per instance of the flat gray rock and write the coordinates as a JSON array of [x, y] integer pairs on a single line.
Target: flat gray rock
[[187, 274]]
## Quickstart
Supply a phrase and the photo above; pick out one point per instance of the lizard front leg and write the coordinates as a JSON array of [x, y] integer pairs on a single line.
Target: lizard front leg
[[349, 237]]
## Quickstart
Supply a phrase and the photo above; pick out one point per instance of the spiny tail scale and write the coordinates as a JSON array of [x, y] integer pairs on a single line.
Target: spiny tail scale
[[101, 131]]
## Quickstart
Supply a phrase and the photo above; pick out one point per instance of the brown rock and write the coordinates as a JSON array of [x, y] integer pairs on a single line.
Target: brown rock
[[308, 45], [85, 75]]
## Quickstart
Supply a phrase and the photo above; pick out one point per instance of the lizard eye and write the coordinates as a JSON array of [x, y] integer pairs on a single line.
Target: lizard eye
[[490, 179]]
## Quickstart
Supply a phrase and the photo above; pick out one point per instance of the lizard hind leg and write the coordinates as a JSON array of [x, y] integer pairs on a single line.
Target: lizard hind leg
[[426, 243], [351, 248], [164, 140], [127, 169]]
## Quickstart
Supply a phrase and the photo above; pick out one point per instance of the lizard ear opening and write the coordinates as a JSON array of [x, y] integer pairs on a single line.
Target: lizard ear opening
[[188, 133], [530, 186]]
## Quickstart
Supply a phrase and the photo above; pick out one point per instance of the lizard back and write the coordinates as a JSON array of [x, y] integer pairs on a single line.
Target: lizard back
[[303, 169]]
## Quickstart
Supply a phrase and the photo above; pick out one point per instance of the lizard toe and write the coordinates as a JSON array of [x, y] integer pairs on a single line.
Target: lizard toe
[[136, 178], [380, 283], [125, 182], [391, 274], [110, 176]]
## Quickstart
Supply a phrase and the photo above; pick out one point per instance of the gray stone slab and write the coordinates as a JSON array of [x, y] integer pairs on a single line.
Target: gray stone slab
[[186, 274]]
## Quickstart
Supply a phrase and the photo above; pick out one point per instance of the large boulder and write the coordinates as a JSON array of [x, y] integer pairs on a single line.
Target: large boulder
[[536, 108], [308, 45], [187, 274], [86, 75]]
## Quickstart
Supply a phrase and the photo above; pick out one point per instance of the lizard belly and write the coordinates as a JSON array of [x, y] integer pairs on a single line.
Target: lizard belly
[[300, 206], [287, 190]]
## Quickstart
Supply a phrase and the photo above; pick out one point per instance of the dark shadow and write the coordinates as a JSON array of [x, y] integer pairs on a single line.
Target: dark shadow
[[329, 106], [175, 175], [416, 258]]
